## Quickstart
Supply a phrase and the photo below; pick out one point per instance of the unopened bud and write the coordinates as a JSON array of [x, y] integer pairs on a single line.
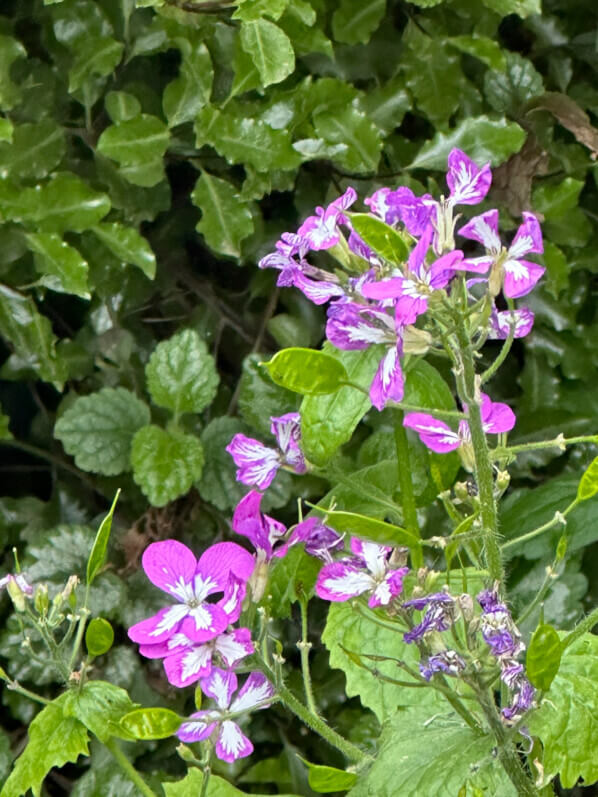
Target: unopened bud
[[258, 580], [561, 548], [465, 604], [461, 491], [398, 557], [503, 479], [416, 341], [466, 454], [16, 594], [41, 600], [70, 586]]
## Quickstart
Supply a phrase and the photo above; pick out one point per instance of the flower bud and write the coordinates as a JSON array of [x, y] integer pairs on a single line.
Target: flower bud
[[416, 341], [258, 580], [503, 479], [16, 594], [41, 600], [70, 586]]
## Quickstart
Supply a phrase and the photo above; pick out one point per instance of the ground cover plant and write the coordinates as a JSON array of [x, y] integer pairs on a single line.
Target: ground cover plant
[[298, 387]]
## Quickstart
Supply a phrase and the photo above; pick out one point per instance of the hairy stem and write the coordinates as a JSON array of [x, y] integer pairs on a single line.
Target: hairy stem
[[581, 628], [559, 517]]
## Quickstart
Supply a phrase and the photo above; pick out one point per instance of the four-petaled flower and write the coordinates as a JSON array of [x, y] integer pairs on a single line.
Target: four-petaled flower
[[231, 742]]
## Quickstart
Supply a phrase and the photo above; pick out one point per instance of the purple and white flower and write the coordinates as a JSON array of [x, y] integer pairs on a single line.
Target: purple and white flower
[[258, 464], [265, 533], [468, 183], [231, 742], [501, 322], [321, 231], [19, 580], [447, 661], [172, 567], [366, 571], [319, 540], [439, 616]]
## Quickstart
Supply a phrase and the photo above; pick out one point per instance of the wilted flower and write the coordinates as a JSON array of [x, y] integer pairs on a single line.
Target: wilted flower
[[439, 615], [447, 661]]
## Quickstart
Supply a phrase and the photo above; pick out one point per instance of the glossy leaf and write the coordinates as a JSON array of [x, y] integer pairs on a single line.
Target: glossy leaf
[[359, 140], [95, 56], [98, 429], [259, 398], [225, 221], [524, 8], [508, 90], [165, 463], [249, 10], [481, 47], [136, 144], [62, 266], [10, 51], [291, 578], [307, 371], [99, 637], [543, 656], [270, 48], [380, 237], [33, 150], [433, 75], [151, 723], [354, 22], [588, 485], [368, 528], [121, 105], [6, 130], [127, 244], [187, 94], [97, 557]]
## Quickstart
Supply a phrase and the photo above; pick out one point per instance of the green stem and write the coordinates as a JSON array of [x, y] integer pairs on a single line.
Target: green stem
[[79, 637], [557, 442], [581, 628], [206, 772], [15, 686], [502, 356], [559, 517], [549, 579], [128, 768], [406, 485], [304, 647], [451, 414]]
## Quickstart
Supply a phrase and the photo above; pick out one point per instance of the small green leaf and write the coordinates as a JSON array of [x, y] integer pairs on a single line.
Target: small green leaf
[[97, 556], [307, 371], [98, 429], [6, 130], [187, 94], [181, 374], [10, 50], [99, 636], [225, 220], [165, 463], [100, 706], [36, 150], [543, 657], [136, 144], [354, 21], [359, 140], [555, 199], [481, 47], [326, 779], [151, 723], [94, 56], [249, 10], [270, 49], [383, 239], [63, 267], [588, 485], [369, 528], [121, 106], [129, 245]]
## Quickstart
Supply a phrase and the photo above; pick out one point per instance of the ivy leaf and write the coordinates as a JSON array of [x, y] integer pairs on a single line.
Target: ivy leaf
[[270, 48], [507, 91], [588, 485], [10, 50], [181, 374], [353, 22], [351, 128], [63, 267], [35, 150], [129, 245], [483, 139], [98, 429], [138, 145], [100, 706], [307, 371], [54, 739], [165, 463], [566, 722], [225, 220], [329, 421], [31, 336], [187, 94]]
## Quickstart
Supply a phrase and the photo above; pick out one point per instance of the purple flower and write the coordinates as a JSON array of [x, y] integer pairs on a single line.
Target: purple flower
[[366, 571], [231, 742], [186, 661], [319, 540], [321, 231], [263, 531], [258, 464], [518, 276], [523, 700], [467, 182], [447, 661], [415, 212], [19, 580], [171, 566], [439, 615], [522, 320]]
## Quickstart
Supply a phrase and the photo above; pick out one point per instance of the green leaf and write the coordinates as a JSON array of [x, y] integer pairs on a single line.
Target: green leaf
[[181, 374], [353, 22], [588, 485], [100, 706], [291, 578], [129, 245], [94, 56], [326, 779], [508, 90], [351, 637], [483, 139], [433, 74], [260, 398], [481, 47], [522, 7], [307, 371], [439, 755], [36, 150], [54, 740], [383, 239], [249, 10], [99, 637], [121, 106], [359, 137], [10, 50], [543, 656], [97, 557], [329, 421], [554, 199], [165, 463], [270, 48], [5, 433], [191, 786], [31, 336], [63, 267], [386, 105], [137, 144], [187, 94], [5, 754], [557, 269], [566, 721], [369, 528], [225, 220], [6, 130], [151, 723], [98, 429]]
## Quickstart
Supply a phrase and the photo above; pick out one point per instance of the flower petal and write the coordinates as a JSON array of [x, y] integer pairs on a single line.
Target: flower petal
[[340, 581], [220, 685], [388, 588], [170, 566], [388, 383], [232, 742], [256, 689], [484, 230], [235, 646], [433, 433], [528, 238], [188, 666], [468, 183], [520, 277], [160, 627], [372, 554], [223, 558], [257, 464], [196, 730]]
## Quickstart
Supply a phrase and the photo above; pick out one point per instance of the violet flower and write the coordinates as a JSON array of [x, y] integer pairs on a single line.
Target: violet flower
[[366, 571], [19, 580], [522, 321], [265, 533], [447, 661], [173, 568], [439, 615], [231, 742], [258, 464], [319, 540]]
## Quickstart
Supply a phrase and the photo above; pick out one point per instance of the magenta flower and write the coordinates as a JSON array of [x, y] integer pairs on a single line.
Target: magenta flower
[[501, 321], [19, 579], [366, 571], [319, 540], [517, 276], [468, 183], [258, 464], [321, 231], [439, 437], [173, 568], [265, 533], [231, 742]]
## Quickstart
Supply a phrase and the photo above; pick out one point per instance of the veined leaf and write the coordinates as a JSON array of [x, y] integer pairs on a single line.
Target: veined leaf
[[270, 49], [225, 221], [97, 557], [307, 371]]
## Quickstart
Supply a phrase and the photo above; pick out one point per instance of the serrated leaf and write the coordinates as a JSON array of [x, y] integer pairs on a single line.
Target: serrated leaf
[[62, 265], [270, 49], [35, 150], [524, 8], [99, 637], [383, 239], [165, 463], [191, 786], [138, 145], [187, 94], [98, 429], [129, 245], [351, 128], [433, 74], [181, 374], [100, 706], [31, 336], [567, 720], [368, 528], [307, 371], [507, 91], [151, 723], [225, 220], [259, 398], [10, 50], [97, 557], [94, 56], [386, 105], [329, 421], [54, 739], [554, 199], [588, 485], [483, 139], [543, 656], [292, 577], [353, 21]]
